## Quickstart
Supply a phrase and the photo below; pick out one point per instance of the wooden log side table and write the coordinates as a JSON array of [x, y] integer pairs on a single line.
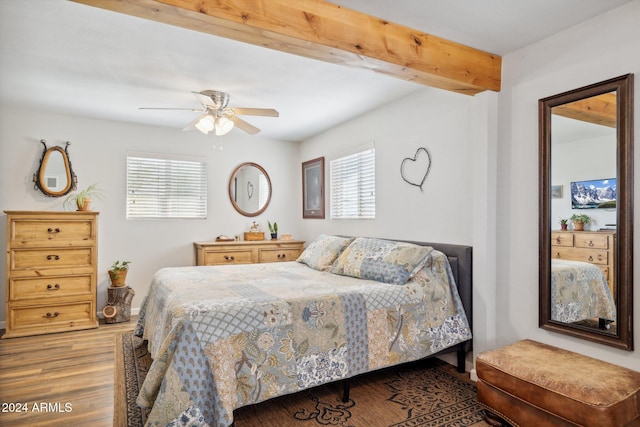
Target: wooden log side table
[[118, 308]]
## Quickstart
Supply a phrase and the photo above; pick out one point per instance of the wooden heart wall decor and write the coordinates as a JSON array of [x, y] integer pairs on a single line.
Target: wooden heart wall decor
[[415, 170]]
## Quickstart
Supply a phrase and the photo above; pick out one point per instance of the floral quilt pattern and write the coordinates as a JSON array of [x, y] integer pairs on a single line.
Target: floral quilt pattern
[[229, 336], [579, 291]]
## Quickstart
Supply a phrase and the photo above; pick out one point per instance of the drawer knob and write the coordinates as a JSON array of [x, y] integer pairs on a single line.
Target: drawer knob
[[558, 240], [282, 256], [590, 242], [53, 287], [53, 257], [558, 255], [229, 258], [53, 230], [51, 316], [590, 257]]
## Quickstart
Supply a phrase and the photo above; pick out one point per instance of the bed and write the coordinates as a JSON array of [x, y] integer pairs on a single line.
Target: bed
[[223, 337], [579, 292]]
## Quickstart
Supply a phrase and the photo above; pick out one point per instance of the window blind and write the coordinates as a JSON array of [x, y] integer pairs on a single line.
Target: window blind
[[263, 190], [164, 186], [353, 185]]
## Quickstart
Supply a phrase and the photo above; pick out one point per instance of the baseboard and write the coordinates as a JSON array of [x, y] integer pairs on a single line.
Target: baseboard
[[473, 375]]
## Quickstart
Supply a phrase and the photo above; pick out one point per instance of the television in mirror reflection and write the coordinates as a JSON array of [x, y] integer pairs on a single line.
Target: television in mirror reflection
[[594, 194]]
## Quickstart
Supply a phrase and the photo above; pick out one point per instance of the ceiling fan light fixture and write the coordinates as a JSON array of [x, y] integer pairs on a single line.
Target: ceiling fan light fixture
[[205, 124], [223, 125], [216, 117]]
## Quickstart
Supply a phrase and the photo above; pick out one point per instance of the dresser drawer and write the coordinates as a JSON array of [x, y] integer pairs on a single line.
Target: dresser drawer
[[595, 241], [50, 287], [278, 255], [25, 232], [594, 256], [30, 259], [227, 257], [561, 239], [65, 315]]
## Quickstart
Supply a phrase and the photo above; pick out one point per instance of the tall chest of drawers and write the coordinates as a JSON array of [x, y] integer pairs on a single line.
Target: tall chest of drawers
[[595, 247], [51, 272]]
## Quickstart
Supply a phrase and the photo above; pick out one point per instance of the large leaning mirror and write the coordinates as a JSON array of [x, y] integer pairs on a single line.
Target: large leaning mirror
[[250, 189], [586, 172], [55, 177]]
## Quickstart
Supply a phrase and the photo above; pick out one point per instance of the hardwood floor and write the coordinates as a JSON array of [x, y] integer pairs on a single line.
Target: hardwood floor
[[63, 379]]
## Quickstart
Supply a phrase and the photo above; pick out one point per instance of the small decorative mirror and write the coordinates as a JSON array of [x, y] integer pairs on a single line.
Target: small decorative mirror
[[250, 189], [55, 177]]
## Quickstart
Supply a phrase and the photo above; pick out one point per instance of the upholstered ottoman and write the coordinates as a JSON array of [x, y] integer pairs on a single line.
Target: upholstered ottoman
[[531, 384]]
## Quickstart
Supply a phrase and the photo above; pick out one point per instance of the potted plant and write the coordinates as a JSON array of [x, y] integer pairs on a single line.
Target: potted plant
[[118, 273], [563, 223], [579, 221], [83, 198], [273, 229]]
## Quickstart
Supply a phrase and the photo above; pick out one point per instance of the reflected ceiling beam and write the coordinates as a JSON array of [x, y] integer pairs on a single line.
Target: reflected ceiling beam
[[600, 110], [331, 33]]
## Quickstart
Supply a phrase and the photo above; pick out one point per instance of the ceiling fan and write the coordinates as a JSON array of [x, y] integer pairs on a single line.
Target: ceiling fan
[[218, 117]]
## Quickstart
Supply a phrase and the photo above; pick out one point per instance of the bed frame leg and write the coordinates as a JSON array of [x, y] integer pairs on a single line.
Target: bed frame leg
[[462, 359], [346, 388]]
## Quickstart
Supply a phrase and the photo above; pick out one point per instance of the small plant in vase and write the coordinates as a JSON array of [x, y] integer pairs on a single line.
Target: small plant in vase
[[273, 229], [83, 198], [563, 223], [579, 221], [118, 273]]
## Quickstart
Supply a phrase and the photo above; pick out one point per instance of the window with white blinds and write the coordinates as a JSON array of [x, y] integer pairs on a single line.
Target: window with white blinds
[[165, 186], [353, 185]]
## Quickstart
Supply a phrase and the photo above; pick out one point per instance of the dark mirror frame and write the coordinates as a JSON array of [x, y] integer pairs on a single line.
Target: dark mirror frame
[[39, 176], [623, 338], [232, 186]]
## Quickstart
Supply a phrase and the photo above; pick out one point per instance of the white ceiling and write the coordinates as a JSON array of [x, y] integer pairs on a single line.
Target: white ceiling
[[76, 59]]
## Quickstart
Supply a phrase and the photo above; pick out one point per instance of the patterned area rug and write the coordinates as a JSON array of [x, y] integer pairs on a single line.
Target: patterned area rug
[[132, 364], [428, 393]]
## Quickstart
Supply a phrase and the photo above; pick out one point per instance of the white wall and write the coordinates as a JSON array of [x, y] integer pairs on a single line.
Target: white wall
[[430, 118], [98, 155], [596, 50], [580, 160]]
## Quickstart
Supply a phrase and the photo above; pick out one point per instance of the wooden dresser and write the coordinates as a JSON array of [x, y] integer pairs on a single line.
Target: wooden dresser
[[51, 272], [247, 252], [595, 247]]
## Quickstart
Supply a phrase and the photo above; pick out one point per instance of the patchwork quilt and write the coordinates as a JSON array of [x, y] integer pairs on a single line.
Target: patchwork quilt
[[223, 337], [579, 291]]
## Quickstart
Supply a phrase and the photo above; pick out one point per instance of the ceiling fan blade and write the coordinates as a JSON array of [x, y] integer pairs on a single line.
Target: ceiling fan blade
[[268, 112], [205, 100], [241, 124], [170, 108]]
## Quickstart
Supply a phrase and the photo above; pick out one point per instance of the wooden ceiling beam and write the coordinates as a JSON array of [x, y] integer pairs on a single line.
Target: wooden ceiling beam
[[600, 110], [328, 32]]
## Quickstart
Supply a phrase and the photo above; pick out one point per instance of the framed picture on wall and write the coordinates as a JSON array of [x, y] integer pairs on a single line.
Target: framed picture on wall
[[556, 191], [313, 188]]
